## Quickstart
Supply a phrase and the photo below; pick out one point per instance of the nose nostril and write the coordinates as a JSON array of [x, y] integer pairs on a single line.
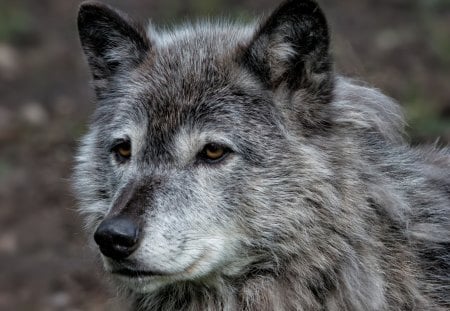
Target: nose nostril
[[117, 237], [125, 240]]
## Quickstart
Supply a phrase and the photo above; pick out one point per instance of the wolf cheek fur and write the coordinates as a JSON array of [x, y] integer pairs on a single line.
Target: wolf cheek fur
[[227, 167]]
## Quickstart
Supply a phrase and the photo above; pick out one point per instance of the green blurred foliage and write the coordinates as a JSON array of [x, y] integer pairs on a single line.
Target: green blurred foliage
[[423, 118], [15, 22], [425, 107]]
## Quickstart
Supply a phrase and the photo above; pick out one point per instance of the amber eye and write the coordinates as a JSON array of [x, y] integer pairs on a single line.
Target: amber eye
[[122, 151], [213, 152]]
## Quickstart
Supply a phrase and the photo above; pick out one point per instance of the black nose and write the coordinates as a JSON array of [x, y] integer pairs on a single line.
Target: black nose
[[117, 237]]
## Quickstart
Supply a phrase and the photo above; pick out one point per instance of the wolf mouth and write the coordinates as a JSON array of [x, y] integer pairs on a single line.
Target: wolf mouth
[[131, 273], [137, 273]]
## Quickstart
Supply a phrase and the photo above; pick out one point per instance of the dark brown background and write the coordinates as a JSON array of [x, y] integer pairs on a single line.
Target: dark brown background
[[400, 46]]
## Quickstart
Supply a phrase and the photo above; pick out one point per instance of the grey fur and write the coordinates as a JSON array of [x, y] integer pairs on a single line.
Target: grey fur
[[321, 205]]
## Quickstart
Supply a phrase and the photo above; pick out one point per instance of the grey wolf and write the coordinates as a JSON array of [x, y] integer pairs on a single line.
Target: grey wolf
[[229, 167]]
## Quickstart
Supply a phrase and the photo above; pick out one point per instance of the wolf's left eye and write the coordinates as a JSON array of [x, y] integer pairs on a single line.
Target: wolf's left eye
[[213, 153], [122, 151]]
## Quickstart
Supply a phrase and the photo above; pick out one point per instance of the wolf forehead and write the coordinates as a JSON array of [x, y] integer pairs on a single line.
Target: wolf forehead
[[190, 76], [193, 57]]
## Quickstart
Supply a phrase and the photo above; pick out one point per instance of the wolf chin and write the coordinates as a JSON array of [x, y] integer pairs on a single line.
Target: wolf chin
[[228, 167]]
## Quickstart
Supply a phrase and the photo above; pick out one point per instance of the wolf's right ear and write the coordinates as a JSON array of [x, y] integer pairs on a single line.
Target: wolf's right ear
[[110, 40]]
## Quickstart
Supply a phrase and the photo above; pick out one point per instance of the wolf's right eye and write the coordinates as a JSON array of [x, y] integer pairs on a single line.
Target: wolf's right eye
[[122, 151]]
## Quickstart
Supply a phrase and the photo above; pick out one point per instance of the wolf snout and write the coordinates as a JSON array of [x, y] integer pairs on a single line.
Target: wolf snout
[[118, 237]]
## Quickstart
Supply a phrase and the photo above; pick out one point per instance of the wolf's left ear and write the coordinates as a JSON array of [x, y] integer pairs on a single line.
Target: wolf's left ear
[[292, 47], [110, 40]]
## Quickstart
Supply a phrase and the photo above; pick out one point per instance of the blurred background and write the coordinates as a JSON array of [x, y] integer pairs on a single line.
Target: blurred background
[[399, 46]]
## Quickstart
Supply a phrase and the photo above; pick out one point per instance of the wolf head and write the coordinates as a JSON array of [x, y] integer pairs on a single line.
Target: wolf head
[[197, 164]]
